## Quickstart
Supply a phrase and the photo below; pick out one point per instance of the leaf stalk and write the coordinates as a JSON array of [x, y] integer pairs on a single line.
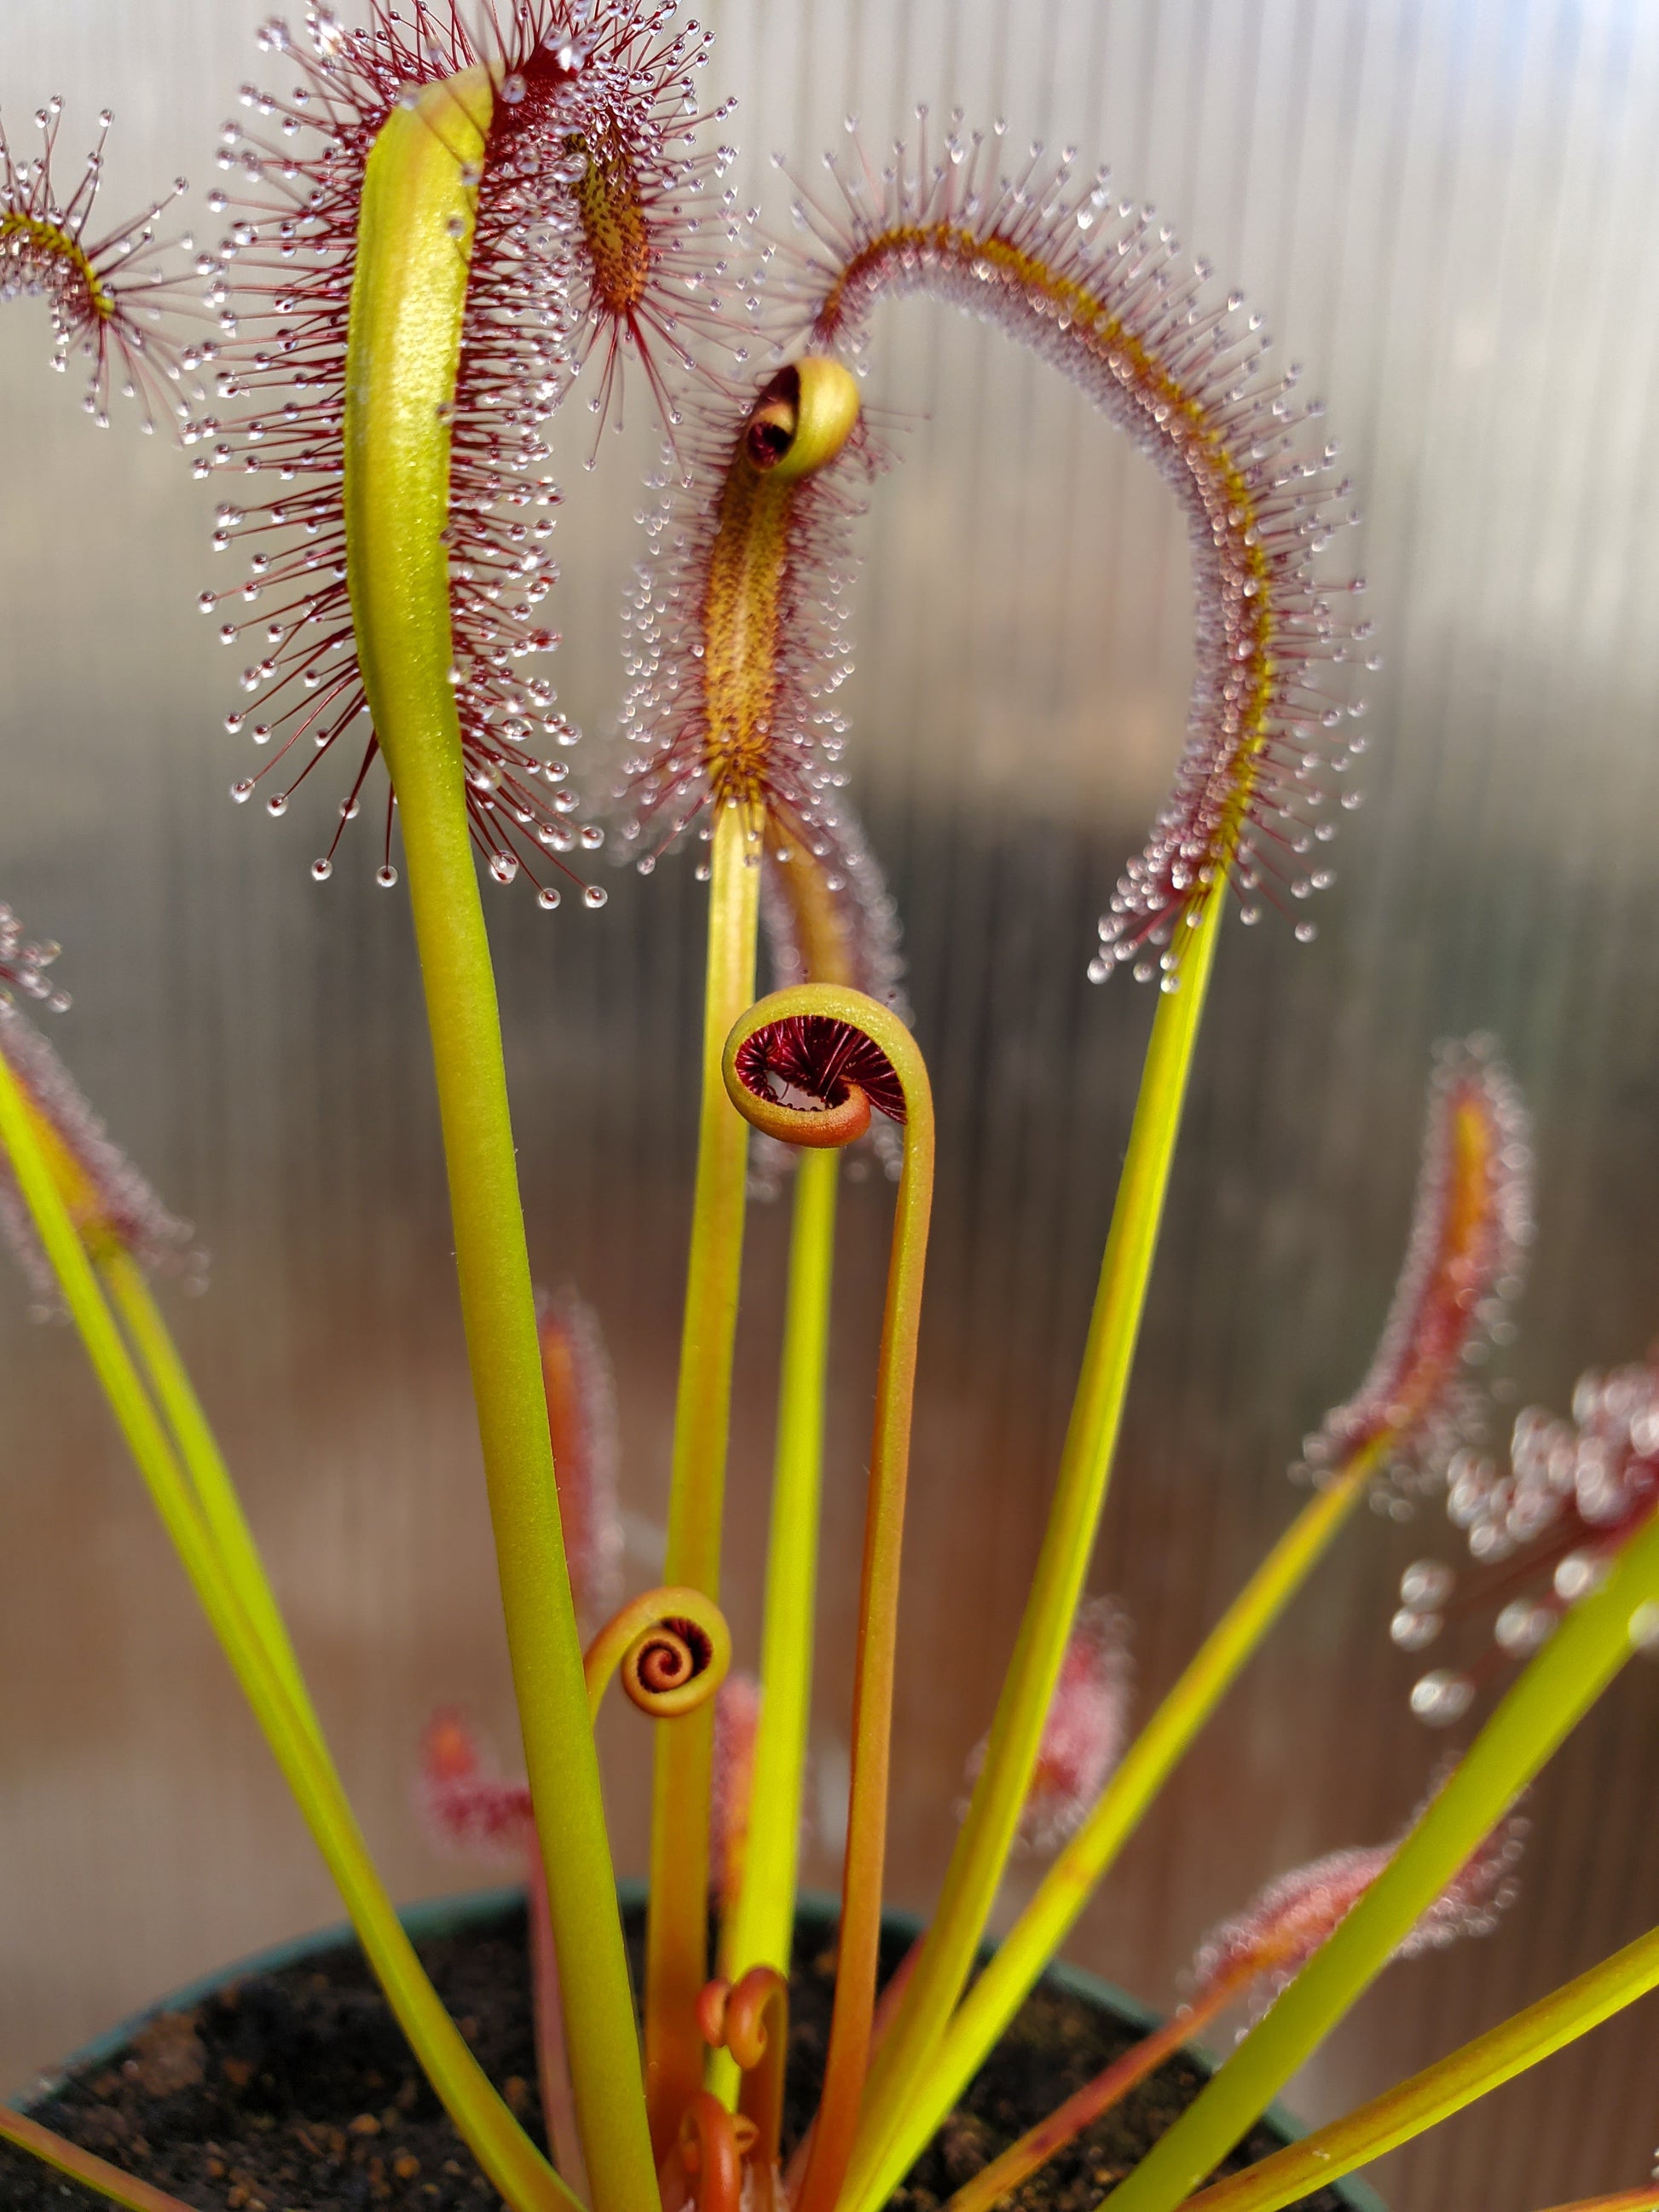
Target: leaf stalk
[[985, 2014], [409, 295], [1413, 2106], [759, 1932], [676, 1956], [987, 1833], [1557, 1688], [501, 2147]]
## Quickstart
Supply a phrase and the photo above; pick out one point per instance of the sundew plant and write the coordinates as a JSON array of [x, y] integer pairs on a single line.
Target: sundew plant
[[429, 227]]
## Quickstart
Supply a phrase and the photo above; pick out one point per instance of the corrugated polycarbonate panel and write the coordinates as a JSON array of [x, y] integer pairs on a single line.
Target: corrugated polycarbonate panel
[[1445, 212]]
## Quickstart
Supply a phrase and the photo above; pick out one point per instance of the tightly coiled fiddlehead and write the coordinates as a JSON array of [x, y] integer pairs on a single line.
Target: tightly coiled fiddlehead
[[670, 1649]]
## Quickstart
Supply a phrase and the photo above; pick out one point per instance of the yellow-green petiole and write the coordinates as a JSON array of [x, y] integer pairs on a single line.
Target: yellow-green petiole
[[677, 1960], [996, 1995], [506, 2154], [1415, 2105], [409, 297], [758, 1932], [1557, 1688], [981, 1851]]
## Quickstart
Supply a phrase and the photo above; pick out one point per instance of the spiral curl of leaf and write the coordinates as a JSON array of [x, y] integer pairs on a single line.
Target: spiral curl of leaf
[[748, 2018], [751, 2019], [807, 1065], [669, 1648], [703, 2171]]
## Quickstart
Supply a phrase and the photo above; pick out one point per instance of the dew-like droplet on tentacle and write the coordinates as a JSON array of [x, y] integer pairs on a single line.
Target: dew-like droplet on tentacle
[[282, 282]]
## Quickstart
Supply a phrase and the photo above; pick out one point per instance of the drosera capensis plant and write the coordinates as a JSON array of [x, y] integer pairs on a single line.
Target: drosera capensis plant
[[425, 240]]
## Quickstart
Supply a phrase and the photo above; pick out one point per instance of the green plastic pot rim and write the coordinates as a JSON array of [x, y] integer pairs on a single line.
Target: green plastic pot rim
[[449, 1915]]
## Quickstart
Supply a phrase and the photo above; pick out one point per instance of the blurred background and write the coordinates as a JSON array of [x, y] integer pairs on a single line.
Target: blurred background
[[1446, 212]]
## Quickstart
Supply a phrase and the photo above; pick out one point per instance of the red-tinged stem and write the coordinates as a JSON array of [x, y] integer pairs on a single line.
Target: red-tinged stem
[[981, 1854], [1085, 2106], [80, 2165], [887, 2005], [552, 2059], [851, 2023]]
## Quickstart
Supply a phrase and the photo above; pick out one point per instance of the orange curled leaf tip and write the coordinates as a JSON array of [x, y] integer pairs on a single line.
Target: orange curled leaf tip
[[762, 1990], [667, 1670], [829, 918], [802, 420], [704, 2169], [733, 2017], [711, 2011], [798, 1079], [670, 1649], [808, 1065], [1470, 1225]]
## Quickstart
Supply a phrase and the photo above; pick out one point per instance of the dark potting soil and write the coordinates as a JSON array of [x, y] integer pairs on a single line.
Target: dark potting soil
[[295, 2092]]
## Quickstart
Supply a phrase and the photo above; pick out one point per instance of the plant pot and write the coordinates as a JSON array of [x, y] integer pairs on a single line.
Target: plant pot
[[159, 2097]]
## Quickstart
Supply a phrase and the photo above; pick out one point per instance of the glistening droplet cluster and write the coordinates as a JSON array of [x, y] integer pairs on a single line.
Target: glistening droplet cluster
[[566, 96], [675, 763], [1573, 1494], [110, 297], [23, 965], [1097, 284]]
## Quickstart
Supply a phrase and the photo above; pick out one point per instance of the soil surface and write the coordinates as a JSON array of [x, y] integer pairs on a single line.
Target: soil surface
[[295, 2092]]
